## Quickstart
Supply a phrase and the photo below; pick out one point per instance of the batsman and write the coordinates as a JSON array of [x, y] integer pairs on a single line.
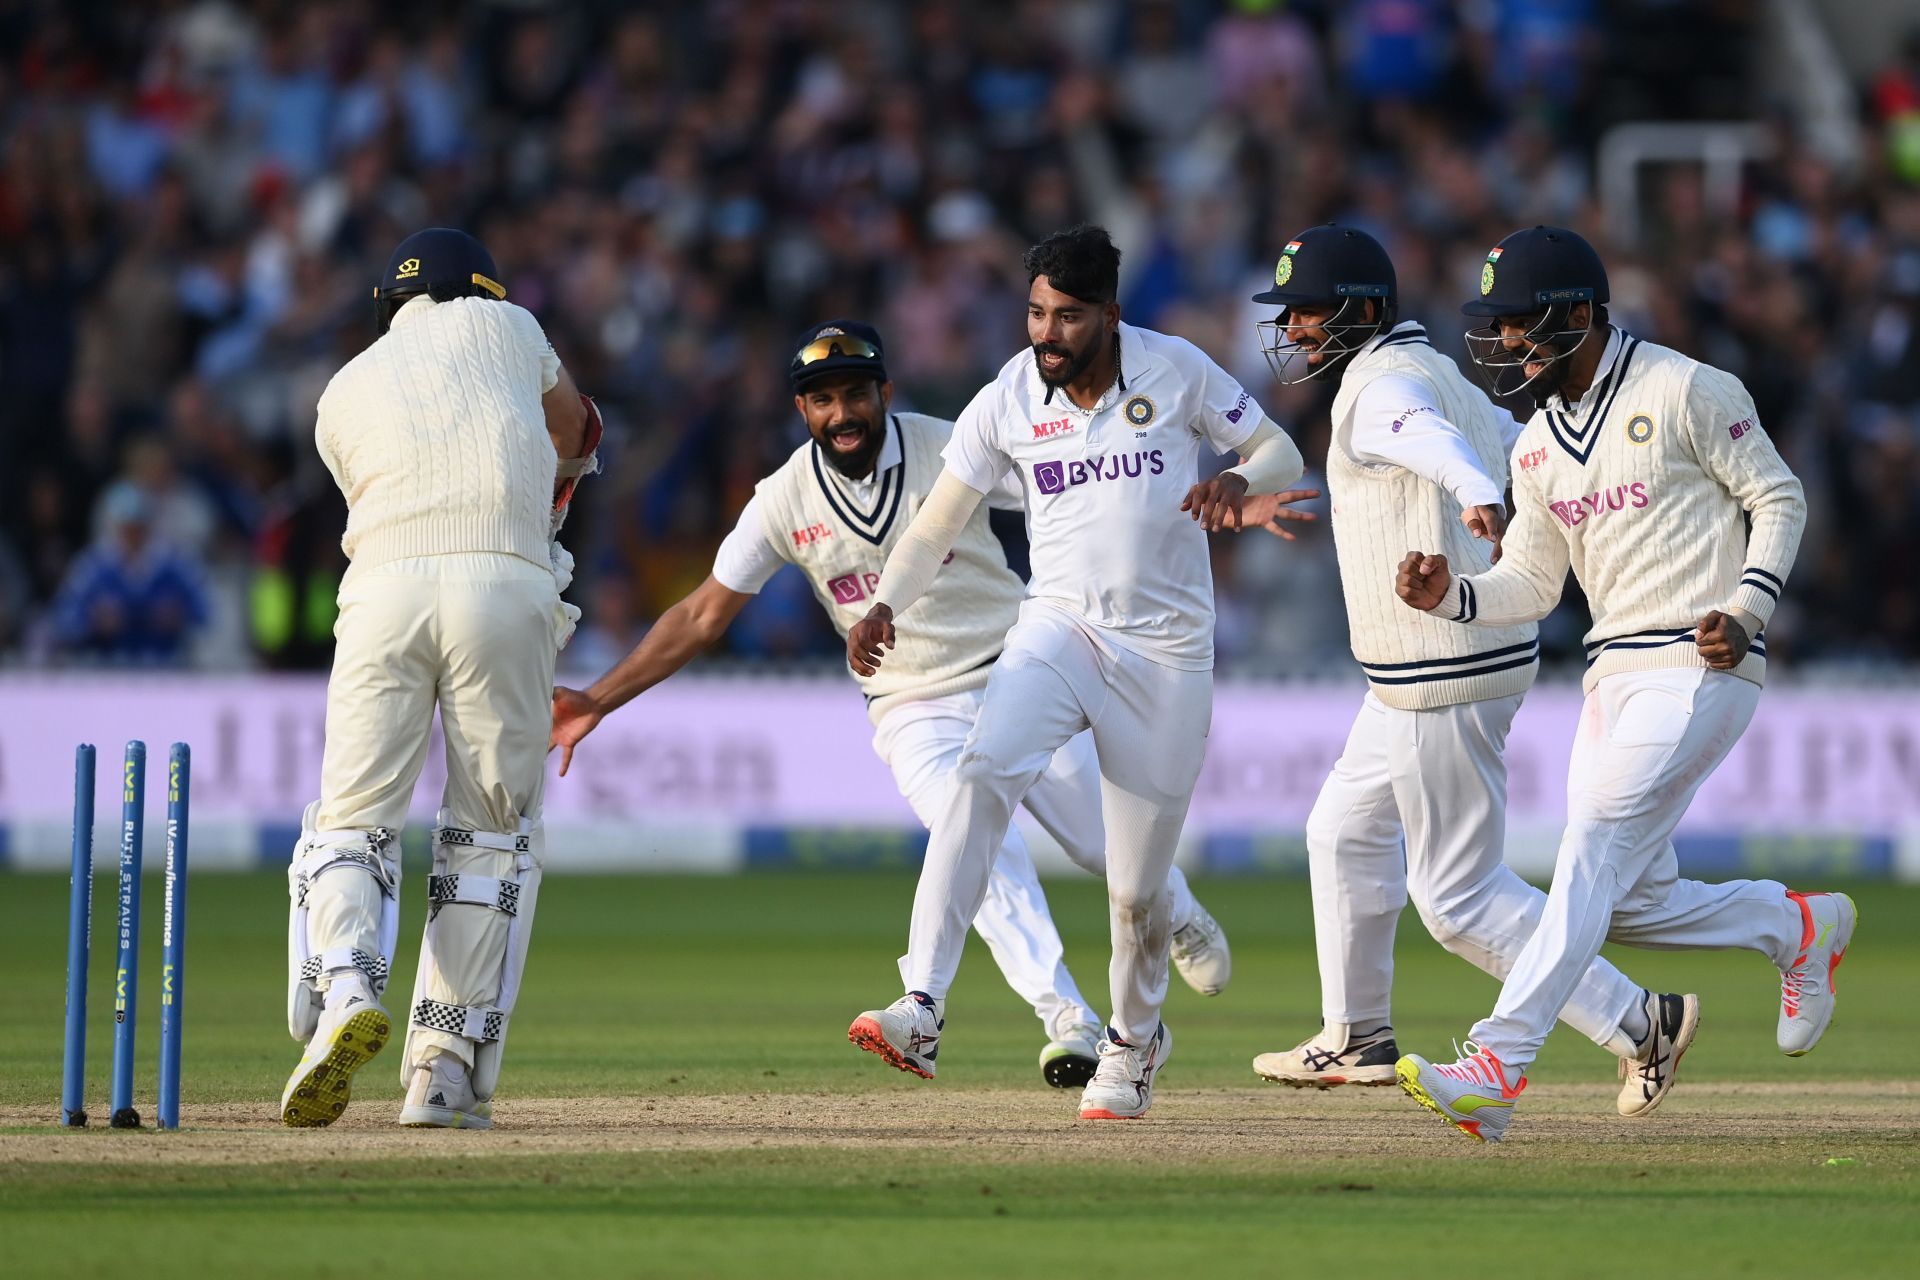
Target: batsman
[[457, 439]]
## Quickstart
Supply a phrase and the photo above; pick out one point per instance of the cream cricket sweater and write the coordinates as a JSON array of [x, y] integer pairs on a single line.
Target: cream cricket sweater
[[436, 435], [1416, 661], [1645, 488], [952, 634]]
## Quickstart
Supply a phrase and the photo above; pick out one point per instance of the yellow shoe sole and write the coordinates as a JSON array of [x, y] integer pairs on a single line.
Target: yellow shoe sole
[[319, 1093], [1409, 1077]]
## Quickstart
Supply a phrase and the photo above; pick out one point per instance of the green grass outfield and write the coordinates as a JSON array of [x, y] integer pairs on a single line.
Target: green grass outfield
[[680, 1100]]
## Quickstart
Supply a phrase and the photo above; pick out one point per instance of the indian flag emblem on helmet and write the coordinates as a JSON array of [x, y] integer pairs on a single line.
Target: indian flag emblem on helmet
[[1486, 272], [1283, 271]]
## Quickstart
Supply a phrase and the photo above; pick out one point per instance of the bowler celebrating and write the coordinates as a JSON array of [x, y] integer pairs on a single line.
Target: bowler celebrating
[[1102, 423]]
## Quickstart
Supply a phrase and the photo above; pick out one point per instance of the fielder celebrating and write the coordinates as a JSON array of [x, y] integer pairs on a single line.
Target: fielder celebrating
[[1418, 455], [1103, 424], [836, 509], [1640, 469], [445, 436]]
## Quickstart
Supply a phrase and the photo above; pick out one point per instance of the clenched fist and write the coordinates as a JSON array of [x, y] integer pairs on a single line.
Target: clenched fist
[[1423, 580], [864, 641], [1721, 640]]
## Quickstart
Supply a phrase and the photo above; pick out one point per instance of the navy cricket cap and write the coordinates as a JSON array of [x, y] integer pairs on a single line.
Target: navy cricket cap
[[838, 346], [1330, 263], [1537, 268]]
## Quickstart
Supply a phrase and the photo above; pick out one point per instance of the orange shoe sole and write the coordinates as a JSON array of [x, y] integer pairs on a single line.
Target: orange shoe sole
[[866, 1034]]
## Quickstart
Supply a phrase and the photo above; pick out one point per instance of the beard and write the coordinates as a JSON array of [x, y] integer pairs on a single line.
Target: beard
[[1076, 364], [1550, 380], [857, 463]]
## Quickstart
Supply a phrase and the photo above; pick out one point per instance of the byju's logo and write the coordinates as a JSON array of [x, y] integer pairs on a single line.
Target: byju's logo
[[850, 588], [1057, 477]]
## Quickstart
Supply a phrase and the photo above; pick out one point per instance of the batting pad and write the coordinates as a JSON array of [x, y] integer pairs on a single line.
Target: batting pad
[[480, 901], [345, 891]]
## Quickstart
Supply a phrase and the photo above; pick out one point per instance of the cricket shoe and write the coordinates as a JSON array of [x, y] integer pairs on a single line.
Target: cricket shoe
[[1472, 1094], [906, 1033], [1648, 1076], [1806, 985], [1122, 1085], [1367, 1060], [351, 1031], [441, 1097], [1069, 1062], [1201, 955]]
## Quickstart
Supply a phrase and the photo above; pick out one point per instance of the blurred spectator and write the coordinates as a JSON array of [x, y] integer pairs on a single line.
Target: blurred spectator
[[196, 197], [129, 597]]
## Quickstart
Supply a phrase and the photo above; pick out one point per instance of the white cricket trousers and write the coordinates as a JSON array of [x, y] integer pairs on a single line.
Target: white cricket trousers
[[1646, 741], [1056, 678], [472, 633], [1439, 778], [921, 742]]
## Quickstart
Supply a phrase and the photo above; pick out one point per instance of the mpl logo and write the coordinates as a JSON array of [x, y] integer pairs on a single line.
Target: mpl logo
[[1057, 477], [1047, 430]]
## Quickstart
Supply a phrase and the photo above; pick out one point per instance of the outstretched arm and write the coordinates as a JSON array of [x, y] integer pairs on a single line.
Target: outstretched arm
[[910, 570], [683, 632]]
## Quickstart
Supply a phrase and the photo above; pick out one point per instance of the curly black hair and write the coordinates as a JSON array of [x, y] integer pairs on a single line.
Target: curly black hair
[[1080, 262]]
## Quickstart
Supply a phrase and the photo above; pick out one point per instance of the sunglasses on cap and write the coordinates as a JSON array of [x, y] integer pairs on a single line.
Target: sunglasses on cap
[[839, 344]]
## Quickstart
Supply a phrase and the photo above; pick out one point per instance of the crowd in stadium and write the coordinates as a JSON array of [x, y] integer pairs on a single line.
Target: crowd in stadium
[[196, 197]]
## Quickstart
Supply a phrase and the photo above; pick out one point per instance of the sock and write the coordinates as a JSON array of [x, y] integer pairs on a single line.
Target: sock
[[1636, 1023]]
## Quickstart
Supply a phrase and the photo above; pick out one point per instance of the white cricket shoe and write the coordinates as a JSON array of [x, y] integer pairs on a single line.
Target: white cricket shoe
[[353, 1028], [1806, 985], [1069, 1062], [1648, 1075], [1367, 1060], [906, 1033], [1122, 1085], [441, 1097], [1201, 955], [1472, 1094]]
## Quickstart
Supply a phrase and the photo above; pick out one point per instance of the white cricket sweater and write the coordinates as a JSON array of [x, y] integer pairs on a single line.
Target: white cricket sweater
[[1416, 661], [1645, 488], [437, 437], [950, 637]]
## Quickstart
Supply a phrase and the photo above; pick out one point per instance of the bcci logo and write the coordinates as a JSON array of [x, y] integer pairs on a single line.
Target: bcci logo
[[408, 269], [1486, 272], [1139, 412], [1640, 429], [1283, 270]]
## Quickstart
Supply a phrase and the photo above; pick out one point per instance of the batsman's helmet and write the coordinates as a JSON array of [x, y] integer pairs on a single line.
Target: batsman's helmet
[[441, 262]]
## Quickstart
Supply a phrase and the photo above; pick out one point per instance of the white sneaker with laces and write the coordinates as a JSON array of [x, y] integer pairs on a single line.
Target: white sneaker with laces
[[1122, 1085], [441, 1097], [1827, 921], [1648, 1076], [906, 1033], [353, 1027], [1367, 1060], [1201, 955], [1069, 1062]]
